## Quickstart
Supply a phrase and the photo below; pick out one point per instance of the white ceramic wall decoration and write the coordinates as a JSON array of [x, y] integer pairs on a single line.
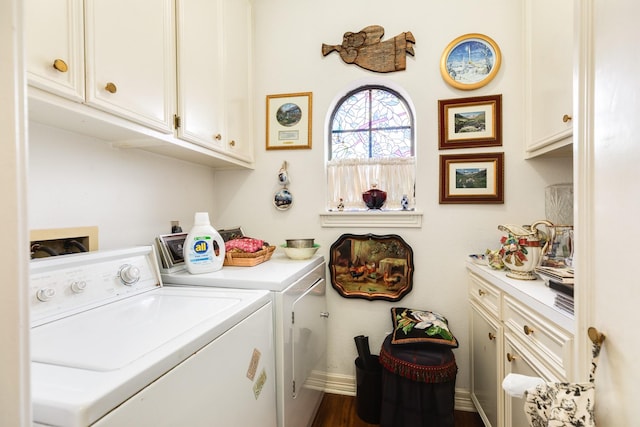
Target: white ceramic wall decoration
[[283, 198]]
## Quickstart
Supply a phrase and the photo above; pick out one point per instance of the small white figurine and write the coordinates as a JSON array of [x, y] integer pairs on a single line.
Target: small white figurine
[[404, 202]]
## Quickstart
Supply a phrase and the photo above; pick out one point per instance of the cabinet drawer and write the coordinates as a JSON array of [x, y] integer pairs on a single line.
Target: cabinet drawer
[[485, 294], [552, 343]]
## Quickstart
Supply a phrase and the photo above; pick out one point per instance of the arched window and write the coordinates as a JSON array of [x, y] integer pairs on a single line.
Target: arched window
[[371, 143]]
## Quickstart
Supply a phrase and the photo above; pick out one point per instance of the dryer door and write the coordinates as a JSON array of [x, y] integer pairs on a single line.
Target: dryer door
[[310, 338]]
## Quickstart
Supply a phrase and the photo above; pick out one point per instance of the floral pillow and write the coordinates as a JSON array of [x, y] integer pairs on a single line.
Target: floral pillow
[[420, 326]]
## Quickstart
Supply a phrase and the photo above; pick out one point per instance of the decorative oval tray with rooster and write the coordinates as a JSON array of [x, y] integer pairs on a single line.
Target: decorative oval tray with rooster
[[371, 266]]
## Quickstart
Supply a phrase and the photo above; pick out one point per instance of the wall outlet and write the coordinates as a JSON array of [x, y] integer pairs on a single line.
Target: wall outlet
[[63, 241]]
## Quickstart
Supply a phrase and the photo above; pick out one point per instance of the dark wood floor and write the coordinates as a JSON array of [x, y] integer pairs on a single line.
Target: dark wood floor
[[340, 411]]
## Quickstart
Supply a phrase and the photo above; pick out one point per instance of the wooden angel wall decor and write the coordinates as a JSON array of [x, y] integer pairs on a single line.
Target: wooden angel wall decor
[[366, 50]]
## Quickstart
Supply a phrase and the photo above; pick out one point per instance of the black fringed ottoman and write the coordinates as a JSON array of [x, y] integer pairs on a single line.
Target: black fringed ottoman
[[418, 385]]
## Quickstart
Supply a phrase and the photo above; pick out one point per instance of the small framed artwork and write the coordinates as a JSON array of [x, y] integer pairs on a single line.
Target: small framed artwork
[[470, 122], [372, 267], [289, 121], [170, 249], [472, 178], [231, 233], [470, 61]]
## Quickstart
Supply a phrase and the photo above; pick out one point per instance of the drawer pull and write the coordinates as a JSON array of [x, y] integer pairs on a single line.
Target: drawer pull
[[527, 330], [566, 118], [111, 88], [232, 143], [217, 137], [511, 357], [60, 65], [481, 292], [491, 336], [324, 314]]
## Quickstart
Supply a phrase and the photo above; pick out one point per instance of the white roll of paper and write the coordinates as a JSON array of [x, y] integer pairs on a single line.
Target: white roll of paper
[[515, 384]]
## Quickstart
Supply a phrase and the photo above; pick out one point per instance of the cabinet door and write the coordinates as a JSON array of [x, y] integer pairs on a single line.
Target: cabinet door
[[238, 64], [486, 365], [130, 59], [550, 73], [518, 359], [199, 53], [54, 33], [309, 336]]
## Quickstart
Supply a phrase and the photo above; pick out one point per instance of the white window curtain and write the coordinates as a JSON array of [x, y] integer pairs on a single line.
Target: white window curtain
[[349, 178]]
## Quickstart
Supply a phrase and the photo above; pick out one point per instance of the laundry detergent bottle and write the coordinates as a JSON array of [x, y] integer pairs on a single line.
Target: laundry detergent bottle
[[199, 252]]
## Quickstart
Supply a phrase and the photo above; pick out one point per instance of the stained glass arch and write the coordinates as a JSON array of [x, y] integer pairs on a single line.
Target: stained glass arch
[[371, 122]]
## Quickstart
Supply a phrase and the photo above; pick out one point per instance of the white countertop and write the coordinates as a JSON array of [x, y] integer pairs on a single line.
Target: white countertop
[[276, 274], [534, 293]]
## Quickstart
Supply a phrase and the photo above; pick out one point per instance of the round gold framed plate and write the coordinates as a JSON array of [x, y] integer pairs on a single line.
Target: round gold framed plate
[[470, 61]]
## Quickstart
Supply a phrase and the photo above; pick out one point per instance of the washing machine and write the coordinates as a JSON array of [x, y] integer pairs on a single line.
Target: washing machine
[[112, 346], [298, 292]]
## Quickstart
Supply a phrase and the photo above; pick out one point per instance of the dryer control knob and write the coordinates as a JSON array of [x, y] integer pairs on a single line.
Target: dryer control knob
[[45, 294], [78, 287], [129, 274]]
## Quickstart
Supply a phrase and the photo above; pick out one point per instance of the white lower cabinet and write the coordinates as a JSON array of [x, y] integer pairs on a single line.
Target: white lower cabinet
[[514, 328], [486, 369]]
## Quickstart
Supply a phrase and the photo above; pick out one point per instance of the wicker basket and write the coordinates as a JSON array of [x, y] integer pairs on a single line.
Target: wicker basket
[[241, 259]]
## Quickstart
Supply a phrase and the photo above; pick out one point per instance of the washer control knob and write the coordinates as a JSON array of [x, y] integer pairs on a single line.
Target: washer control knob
[[45, 294], [78, 287], [129, 274]]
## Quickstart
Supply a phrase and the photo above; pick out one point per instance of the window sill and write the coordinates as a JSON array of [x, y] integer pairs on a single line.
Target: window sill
[[372, 219]]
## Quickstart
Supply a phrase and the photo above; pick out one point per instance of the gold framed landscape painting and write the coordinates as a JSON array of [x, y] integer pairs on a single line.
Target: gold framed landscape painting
[[472, 178], [470, 122], [289, 121]]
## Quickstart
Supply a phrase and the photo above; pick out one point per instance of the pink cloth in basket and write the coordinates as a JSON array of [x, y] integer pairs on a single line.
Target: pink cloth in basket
[[245, 244]]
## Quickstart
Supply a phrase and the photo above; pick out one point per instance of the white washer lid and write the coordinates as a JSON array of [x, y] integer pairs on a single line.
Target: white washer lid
[[114, 335]]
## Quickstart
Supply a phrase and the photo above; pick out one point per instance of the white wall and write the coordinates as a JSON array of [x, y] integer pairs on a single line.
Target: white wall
[[131, 195], [289, 60]]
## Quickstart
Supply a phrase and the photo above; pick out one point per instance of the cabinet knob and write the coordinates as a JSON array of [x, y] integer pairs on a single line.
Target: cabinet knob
[[491, 336], [60, 65], [324, 314], [481, 292], [232, 143], [527, 330], [111, 88], [566, 118], [511, 357], [217, 137]]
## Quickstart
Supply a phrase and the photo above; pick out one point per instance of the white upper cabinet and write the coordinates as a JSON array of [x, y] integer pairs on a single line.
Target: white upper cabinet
[[200, 72], [549, 76], [54, 46], [130, 59], [167, 76], [238, 67], [214, 75]]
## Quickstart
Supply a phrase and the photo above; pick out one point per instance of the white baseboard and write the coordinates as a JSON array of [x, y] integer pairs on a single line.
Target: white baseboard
[[346, 385]]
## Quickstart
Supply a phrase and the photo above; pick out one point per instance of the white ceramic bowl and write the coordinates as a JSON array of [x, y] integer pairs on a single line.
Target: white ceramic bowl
[[300, 253]]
